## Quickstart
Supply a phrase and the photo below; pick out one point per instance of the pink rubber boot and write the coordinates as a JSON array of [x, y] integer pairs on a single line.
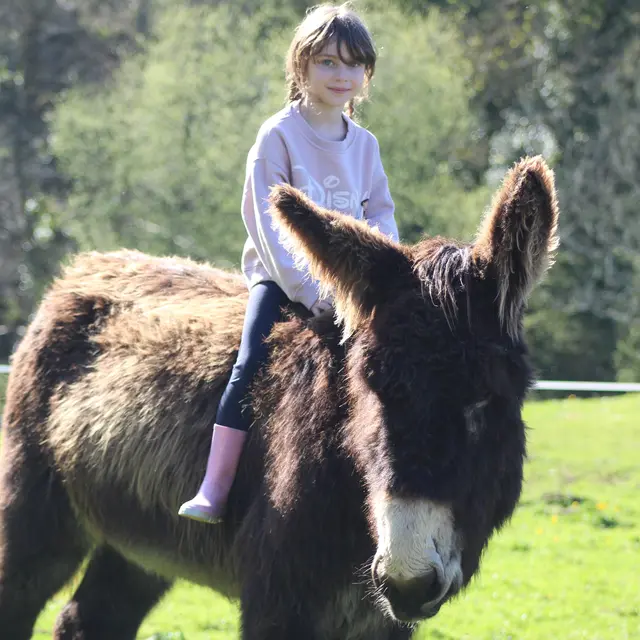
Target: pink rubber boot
[[210, 501]]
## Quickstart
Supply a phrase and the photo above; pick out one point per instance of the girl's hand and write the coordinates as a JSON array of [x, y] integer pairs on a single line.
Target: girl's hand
[[321, 306]]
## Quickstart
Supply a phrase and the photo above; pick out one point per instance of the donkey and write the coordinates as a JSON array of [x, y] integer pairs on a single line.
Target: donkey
[[386, 448]]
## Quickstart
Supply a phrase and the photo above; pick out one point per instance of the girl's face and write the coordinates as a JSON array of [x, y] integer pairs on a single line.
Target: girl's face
[[331, 81]]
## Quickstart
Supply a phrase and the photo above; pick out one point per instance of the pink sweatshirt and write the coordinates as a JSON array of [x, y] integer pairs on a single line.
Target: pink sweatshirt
[[345, 176]]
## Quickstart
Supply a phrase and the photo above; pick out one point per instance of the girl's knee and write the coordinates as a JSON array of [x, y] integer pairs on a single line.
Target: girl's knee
[[246, 368]]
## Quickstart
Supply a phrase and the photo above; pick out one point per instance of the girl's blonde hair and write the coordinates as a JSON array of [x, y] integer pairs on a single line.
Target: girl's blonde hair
[[322, 25]]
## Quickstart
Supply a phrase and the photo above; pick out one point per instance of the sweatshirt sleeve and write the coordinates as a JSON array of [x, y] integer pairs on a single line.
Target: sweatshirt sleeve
[[276, 258], [380, 208]]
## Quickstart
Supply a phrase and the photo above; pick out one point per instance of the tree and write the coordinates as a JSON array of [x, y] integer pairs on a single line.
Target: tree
[[595, 124], [43, 50], [157, 158], [420, 113]]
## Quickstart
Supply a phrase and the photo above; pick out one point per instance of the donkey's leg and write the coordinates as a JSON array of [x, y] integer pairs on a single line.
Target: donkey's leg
[[263, 620], [40, 541], [269, 612], [291, 627], [112, 600]]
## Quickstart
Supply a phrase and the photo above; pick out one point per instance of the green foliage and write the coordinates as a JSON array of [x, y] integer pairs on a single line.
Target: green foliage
[[562, 568], [3, 390], [43, 50], [30, 256], [627, 353], [558, 333], [157, 160], [419, 111], [557, 341]]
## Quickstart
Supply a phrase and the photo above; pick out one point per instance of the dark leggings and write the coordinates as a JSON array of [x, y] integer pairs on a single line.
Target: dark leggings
[[264, 309]]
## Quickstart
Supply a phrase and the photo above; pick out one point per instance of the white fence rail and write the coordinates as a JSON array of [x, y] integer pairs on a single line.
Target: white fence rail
[[569, 385], [546, 385]]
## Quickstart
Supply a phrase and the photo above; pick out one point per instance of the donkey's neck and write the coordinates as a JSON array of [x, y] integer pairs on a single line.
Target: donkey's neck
[[299, 407]]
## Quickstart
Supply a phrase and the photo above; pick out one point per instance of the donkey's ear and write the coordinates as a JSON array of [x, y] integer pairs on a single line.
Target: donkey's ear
[[518, 237], [358, 265]]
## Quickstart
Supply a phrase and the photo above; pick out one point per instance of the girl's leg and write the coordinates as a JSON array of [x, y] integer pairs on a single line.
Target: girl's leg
[[264, 309]]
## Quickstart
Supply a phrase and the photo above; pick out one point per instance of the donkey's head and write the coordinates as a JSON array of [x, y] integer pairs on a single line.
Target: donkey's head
[[437, 372]]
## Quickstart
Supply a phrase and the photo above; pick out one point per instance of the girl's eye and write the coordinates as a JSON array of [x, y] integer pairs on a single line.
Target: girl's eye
[[327, 62]]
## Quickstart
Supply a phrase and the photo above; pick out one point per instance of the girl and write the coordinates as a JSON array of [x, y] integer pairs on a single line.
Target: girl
[[315, 146]]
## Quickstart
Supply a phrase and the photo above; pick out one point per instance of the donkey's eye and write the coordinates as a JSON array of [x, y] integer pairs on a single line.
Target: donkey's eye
[[475, 418]]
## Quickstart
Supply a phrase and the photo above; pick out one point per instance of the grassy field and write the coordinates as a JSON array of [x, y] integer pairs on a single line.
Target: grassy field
[[567, 566]]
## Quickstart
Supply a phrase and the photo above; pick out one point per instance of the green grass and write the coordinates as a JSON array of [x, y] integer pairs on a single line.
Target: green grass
[[567, 566]]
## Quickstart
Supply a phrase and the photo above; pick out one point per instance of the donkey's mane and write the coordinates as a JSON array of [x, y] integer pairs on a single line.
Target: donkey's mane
[[442, 265]]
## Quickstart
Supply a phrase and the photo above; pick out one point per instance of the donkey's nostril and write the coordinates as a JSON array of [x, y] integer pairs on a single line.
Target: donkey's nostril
[[434, 587], [409, 596]]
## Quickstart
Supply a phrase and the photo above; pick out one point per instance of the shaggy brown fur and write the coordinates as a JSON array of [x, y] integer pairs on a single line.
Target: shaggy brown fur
[[115, 386]]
